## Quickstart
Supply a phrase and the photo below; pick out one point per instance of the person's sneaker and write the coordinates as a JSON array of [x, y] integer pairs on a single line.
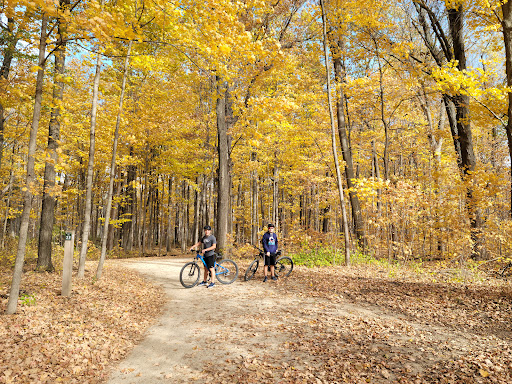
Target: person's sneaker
[[202, 283], [265, 279], [274, 278], [211, 285]]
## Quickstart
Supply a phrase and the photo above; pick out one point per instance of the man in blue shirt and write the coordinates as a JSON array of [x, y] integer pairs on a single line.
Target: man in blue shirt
[[269, 242]]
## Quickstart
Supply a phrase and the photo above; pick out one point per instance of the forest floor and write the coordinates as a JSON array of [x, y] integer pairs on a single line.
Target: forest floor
[[326, 325], [359, 324]]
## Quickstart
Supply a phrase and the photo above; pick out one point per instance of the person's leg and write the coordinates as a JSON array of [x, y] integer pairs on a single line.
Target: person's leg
[[205, 278], [272, 270], [212, 272]]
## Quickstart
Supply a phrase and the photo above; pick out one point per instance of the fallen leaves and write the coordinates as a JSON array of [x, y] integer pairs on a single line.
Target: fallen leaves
[[335, 325], [74, 339]]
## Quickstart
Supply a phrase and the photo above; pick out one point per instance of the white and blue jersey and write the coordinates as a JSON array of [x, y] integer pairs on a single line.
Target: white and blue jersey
[[269, 242]]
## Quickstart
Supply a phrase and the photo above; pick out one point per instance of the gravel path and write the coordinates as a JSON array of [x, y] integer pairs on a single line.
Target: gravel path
[[285, 332]]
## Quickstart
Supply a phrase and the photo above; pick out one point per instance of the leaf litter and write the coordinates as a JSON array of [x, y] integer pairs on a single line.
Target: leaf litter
[[347, 325], [326, 325], [74, 339]]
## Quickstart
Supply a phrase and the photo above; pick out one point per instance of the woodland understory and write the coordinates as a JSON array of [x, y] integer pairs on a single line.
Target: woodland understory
[[379, 128]]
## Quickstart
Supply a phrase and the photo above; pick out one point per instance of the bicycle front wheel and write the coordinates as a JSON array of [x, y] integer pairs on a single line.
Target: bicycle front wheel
[[251, 271], [506, 271], [189, 275], [284, 266], [226, 271]]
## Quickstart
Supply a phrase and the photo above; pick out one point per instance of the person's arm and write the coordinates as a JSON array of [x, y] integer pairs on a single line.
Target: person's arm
[[264, 241], [195, 245], [213, 247]]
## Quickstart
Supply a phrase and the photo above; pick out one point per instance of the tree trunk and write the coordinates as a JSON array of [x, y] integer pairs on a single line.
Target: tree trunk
[[333, 137], [30, 176], [44, 251], [254, 208], [457, 106], [275, 196], [468, 159], [346, 149], [507, 37], [86, 227], [131, 193], [197, 209], [113, 165], [8, 54], [223, 192]]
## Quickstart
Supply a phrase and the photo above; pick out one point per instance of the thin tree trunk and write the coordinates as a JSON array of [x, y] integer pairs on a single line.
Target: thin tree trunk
[[275, 196], [376, 170], [131, 193], [44, 251], [8, 202], [333, 137], [507, 37], [197, 209], [170, 232], [223, 192], [468, 159], [86, 227], [8, 54], [30, 177], [184, 219], [254, 209], [113, 165], [346, 149]]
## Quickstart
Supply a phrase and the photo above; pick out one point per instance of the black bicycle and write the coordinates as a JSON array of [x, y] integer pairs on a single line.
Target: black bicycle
[[505, 271], [283, 268], [226, 271]]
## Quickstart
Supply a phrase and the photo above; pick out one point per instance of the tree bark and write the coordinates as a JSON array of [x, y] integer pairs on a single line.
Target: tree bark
[[223, 193], [86, 226], [507, 37], [254, 207], [275, 196], [8, 54], [113, 165], [457, 106], [333, 137], [346, 150], [49, 200], [197, 208], [468, 159], [30, 176]]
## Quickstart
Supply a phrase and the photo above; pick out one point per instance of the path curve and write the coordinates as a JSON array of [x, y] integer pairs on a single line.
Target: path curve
[[250, 332]]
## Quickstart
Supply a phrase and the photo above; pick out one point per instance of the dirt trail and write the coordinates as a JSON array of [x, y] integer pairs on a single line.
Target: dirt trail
[[282, 333]]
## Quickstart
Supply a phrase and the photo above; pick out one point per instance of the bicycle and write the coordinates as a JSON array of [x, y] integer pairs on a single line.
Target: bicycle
[[283, 268], [505, 271], [226, 271]]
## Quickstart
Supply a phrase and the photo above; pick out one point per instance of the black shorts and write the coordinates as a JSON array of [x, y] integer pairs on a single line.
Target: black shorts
[[210, 261], [270, 260]]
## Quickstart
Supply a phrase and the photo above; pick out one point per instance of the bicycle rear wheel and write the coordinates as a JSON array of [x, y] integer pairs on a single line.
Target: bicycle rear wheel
[[506, 271], [284, 266], [251, 271], [189, 275], [226, 271]]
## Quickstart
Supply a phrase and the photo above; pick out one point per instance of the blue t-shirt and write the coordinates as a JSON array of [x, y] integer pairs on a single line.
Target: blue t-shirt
[[269, 242]]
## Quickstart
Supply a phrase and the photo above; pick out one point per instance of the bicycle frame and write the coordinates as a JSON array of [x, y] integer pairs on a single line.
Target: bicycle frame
[[219, 269]]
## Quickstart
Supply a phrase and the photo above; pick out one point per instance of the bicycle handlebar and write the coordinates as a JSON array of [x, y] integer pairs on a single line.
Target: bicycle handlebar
[[262, 252]]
